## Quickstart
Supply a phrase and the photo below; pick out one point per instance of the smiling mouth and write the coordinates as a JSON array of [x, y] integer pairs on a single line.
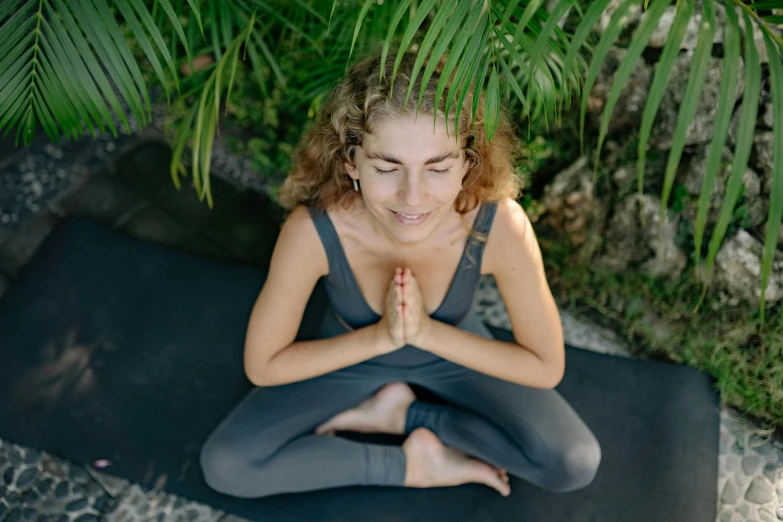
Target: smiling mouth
[[410, 219], [410, 216]]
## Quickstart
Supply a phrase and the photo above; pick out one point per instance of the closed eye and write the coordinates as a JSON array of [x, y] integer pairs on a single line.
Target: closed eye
[[379, 171], [440, 171]]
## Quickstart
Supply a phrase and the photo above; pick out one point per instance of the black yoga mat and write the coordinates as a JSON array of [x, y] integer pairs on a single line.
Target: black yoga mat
[[131, 352]]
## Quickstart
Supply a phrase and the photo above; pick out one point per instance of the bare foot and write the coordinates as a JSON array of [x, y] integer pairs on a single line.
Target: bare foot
[[431, 464], [384, 412]]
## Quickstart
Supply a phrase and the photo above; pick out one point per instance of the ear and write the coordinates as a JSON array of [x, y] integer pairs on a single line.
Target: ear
[[466, 166], [351, 170]]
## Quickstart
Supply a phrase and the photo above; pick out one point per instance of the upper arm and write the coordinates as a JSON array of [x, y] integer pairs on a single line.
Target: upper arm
[[515, 260], [298, 261]]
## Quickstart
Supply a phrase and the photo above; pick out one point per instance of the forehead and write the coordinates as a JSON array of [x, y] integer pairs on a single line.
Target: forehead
[[410, 137]]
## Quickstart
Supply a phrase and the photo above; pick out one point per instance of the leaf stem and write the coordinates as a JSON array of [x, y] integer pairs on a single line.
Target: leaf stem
[[760, 21]]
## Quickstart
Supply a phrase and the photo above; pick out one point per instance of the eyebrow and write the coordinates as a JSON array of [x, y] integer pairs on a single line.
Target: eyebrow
[[391, 159]]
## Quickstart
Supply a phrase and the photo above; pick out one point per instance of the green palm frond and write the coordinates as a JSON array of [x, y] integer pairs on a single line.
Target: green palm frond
[[758, 14], [57, 62], [731, 46], [505, 46], [776, 198], [202, 119]]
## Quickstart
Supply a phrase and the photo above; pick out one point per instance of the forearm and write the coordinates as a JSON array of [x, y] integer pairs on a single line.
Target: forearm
[[307, 359], [507, 361]]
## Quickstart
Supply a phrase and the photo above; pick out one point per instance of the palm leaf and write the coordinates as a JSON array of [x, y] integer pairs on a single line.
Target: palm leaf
[[456, 52], [146, 45], [206, 118], [402, 8], [455, 22], [611, 33], [776, 198], [747, 125], [661, 79], [699, 66], [492, 104], [414, 23], [447, 12], [544, 39], [639, 43], [728, 88], [587, 24], [768, 4], [463, 77], [520, 59], [66, 88], [177, 27]]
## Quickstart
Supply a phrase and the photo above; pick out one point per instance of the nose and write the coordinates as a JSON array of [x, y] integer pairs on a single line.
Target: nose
[[411, 189]]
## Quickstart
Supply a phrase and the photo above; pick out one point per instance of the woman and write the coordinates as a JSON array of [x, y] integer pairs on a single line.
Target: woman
[[401, 217]]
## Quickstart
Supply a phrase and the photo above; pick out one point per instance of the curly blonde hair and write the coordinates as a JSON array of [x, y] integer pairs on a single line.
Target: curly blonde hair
[[359, 103]]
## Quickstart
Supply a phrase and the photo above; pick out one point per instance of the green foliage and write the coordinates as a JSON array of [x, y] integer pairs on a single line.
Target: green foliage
[[59, 61], [655, 315]]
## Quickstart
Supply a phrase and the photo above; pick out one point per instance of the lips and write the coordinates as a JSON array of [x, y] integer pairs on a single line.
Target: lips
[[410, 219]]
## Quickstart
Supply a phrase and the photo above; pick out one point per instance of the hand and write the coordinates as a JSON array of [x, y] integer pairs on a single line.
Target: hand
[[390, 327], [416, 321]]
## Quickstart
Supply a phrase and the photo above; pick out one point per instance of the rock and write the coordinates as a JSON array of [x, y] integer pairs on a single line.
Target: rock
[[629, 21], [766, 515], [627, 112], [689, 41], [760, 492], [750, 464], [628, 242], [744, 510], [761, 158], [737, 271], [779, 513], [731, 493], [76, 505], [692, 175], [771, 472], [26, 478], [569, 205], [701, 125], [760, 445], [61, 491]]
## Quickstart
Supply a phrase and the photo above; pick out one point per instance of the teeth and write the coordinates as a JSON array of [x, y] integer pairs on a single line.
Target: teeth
[[417, 216]]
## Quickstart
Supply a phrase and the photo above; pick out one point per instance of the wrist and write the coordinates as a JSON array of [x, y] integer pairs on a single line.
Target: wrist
[[381, 341], [424, 335]]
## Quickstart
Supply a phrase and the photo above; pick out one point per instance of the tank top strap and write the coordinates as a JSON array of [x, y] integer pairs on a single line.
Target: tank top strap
[[328, 234], [477, 241]]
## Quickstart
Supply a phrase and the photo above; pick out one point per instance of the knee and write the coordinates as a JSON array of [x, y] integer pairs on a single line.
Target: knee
[[574, 468], [221, 467]]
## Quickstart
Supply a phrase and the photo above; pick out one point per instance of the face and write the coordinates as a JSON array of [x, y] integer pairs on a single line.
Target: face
[[409, 174]]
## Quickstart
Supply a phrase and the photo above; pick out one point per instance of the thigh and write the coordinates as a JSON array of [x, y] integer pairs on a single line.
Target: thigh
[[269, 417]]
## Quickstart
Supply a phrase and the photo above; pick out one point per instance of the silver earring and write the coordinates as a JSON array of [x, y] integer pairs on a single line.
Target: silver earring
[[356, 185]]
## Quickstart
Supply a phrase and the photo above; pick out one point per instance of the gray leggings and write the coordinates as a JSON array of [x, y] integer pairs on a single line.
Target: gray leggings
[[266, 444]]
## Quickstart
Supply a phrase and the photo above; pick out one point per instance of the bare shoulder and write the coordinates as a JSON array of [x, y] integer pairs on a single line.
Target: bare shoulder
[[299, 237], [511, 233]]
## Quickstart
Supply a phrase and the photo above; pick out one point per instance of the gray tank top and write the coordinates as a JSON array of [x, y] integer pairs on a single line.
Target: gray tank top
[[347, 300]]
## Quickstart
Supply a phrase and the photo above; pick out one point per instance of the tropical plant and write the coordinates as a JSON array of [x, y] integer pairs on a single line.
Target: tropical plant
[[74, 68]]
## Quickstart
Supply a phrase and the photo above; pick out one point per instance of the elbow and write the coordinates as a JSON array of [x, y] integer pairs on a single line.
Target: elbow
[[557, 374], [553, 368], [257, 372], [256, 378]]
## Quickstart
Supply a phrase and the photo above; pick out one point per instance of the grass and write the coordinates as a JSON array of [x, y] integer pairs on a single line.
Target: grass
[[657, 319]]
